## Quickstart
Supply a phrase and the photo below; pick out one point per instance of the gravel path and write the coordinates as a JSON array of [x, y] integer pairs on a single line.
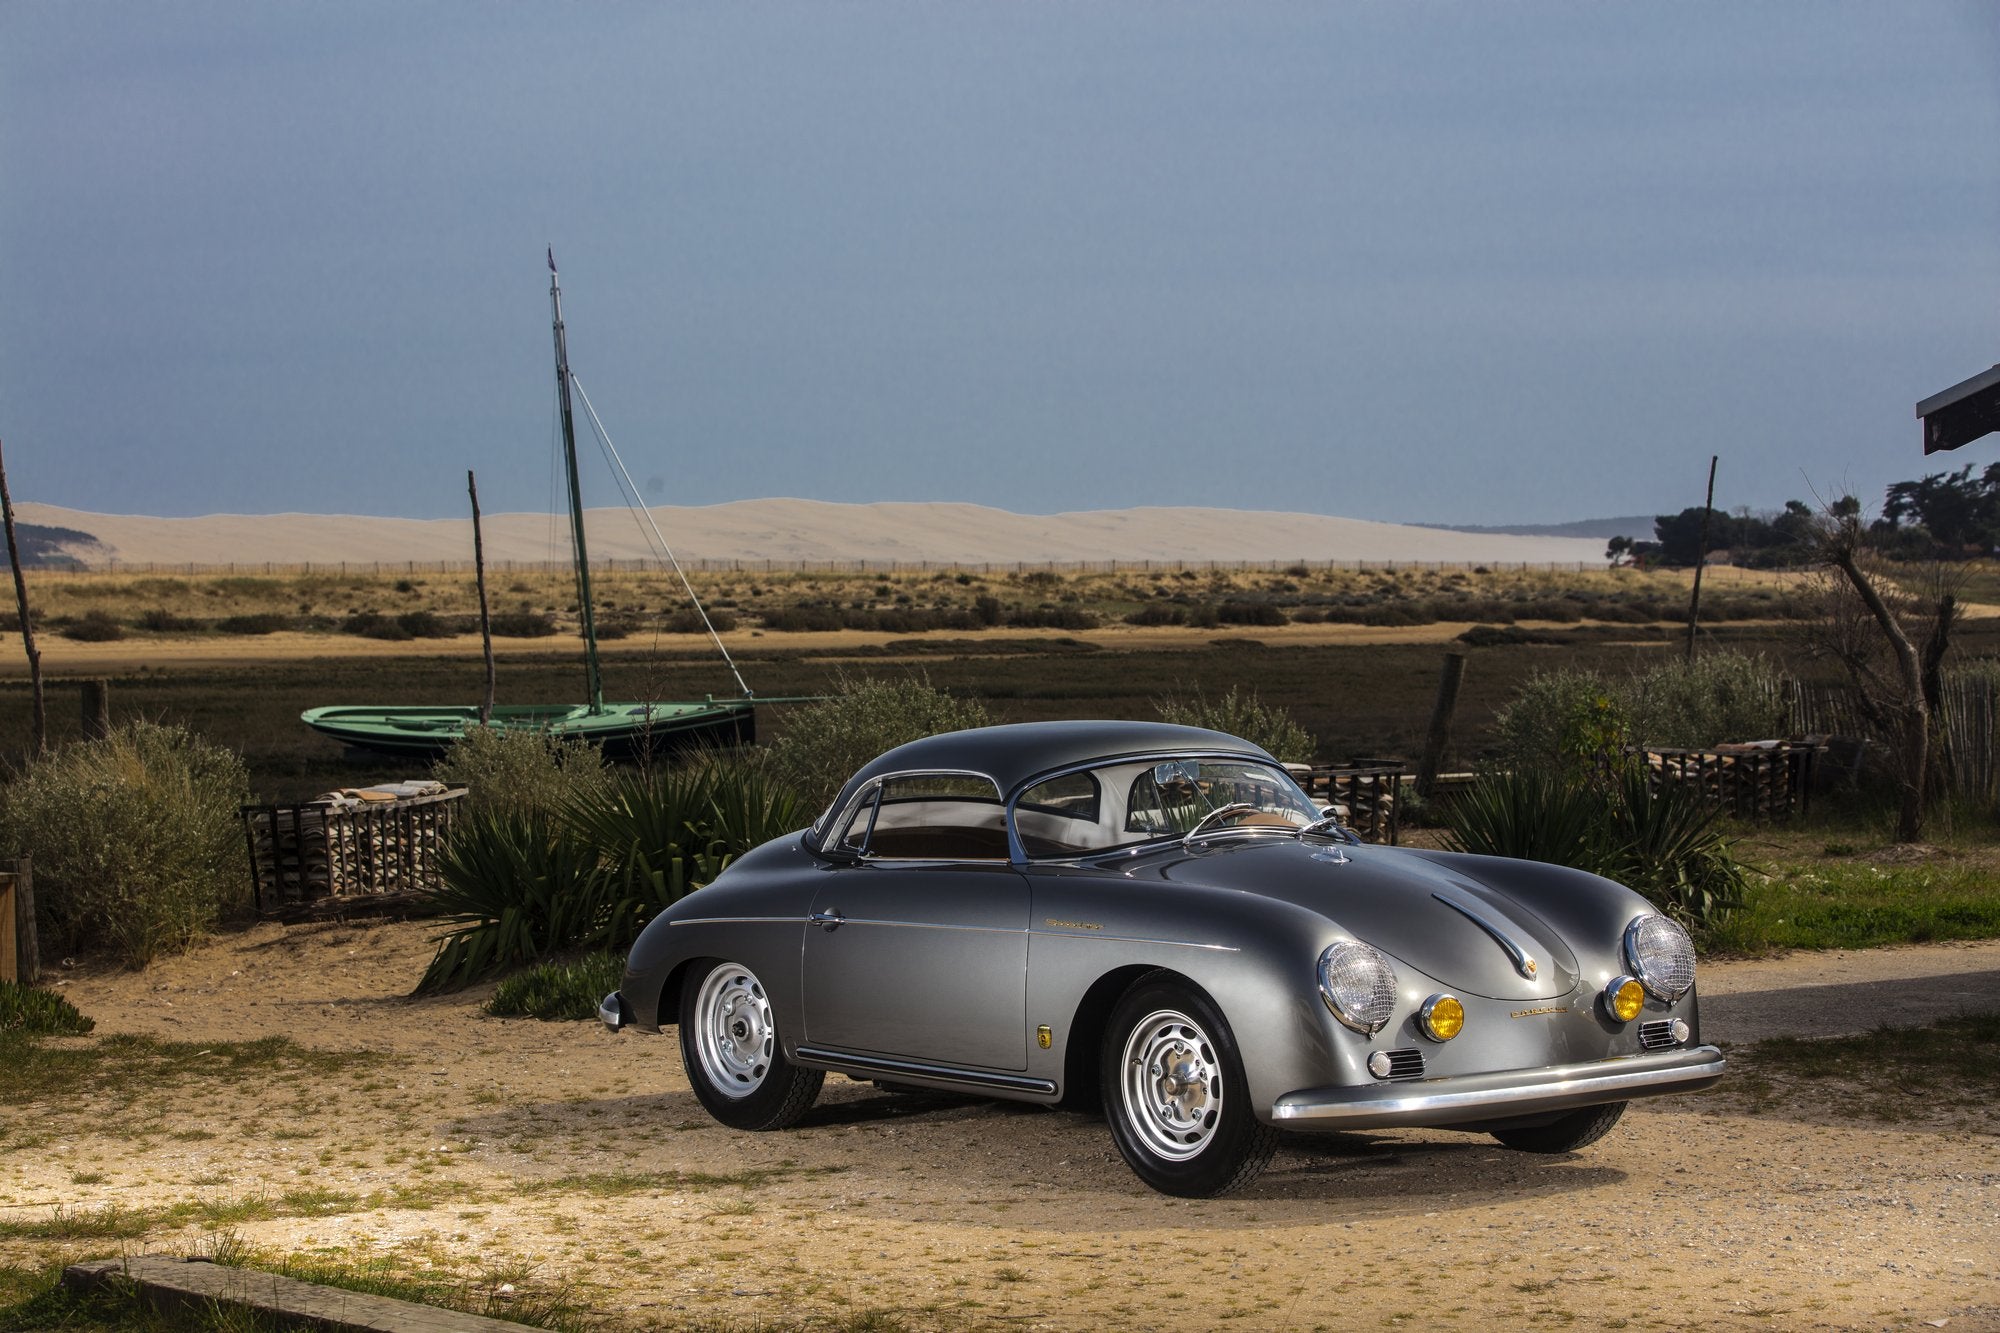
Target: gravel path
[[562, 1154], [1839, 993]]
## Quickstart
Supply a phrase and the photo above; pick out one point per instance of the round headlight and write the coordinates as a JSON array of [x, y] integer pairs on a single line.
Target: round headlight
[[1624, 998], [1661, 954], [1442, 1017], [1358, 985]]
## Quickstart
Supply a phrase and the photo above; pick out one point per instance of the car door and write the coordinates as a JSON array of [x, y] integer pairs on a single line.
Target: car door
[[918, 944]]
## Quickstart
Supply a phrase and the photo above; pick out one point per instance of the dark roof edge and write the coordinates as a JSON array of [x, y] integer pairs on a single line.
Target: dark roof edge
[[1986, 379]]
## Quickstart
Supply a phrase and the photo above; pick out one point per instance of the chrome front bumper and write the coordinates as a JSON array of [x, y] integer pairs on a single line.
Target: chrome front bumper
[[611, 1011], [1516, 1092]]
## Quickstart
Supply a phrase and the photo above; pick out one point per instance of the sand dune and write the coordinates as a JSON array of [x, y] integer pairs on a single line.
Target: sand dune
[[805, 530]]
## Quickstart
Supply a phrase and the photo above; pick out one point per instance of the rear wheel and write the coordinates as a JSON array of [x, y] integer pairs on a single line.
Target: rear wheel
[[1578, 1129], [1175, 1096], [735, 1062]]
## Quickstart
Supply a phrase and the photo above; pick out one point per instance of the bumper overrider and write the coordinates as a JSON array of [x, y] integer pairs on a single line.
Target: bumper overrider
[[611, 1011], [1505, 1095]]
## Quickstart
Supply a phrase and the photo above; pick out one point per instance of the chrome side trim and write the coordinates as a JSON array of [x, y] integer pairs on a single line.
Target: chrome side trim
[[927, 925], [1132, 939], [882, 1064], [1524, 962], [1518, 1092], [737, 920]]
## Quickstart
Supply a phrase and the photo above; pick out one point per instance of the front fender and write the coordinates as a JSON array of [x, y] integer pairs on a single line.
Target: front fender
[[753, 914]]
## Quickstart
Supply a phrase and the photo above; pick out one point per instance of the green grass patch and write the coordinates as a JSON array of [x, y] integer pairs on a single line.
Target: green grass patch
[[31, 1071], [33, 1012], [1860, 906], [559, 991], [1891, 1074]]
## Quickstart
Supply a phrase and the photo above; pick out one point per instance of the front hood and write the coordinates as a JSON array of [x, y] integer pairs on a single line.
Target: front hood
[[1470, 936]]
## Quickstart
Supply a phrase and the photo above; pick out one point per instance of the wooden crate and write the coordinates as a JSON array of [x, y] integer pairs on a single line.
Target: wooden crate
[[306, 856], [1767, 782], [1372, 794]]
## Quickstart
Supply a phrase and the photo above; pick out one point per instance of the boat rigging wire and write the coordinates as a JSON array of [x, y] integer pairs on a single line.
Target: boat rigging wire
[[611, 450]]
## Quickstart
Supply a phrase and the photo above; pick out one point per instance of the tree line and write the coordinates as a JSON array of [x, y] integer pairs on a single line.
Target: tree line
[[1945, 516]]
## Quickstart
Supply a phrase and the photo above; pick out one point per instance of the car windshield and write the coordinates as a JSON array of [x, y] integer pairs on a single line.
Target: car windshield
[[1132, 802]]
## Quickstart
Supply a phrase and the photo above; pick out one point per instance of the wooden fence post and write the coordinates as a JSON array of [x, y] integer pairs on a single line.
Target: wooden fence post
[[24, 958], [96, 709], [1449, 678]]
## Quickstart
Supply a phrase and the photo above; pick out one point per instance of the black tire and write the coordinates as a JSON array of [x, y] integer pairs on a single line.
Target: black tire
[[734, 1058], [1578, 1129], [1196, 1135]]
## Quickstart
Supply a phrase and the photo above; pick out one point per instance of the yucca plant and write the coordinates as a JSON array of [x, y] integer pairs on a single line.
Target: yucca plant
[[1669, 845], [516, 887], [1666, 844], [1534, 816]]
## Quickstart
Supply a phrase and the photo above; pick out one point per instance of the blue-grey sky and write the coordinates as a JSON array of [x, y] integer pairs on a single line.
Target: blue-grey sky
[[1419, 262]]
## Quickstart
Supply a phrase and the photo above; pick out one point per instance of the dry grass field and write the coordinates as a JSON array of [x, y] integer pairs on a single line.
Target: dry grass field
[[420, 603], [1353, 653]]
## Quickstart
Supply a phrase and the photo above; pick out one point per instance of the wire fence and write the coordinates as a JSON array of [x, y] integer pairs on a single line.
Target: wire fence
[[710, 565]]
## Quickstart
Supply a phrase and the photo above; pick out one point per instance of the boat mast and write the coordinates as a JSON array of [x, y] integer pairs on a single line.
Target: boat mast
[[587, 612]]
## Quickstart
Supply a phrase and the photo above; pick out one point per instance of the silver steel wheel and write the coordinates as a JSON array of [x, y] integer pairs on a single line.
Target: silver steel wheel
[[734, 1035], [1171, 1085]]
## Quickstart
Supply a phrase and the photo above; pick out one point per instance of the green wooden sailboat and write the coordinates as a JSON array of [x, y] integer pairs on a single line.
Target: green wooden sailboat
[[621, 729]]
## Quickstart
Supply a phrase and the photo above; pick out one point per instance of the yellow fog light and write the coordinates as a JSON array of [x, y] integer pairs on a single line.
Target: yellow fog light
[[1624, 998], [1443, 1017]]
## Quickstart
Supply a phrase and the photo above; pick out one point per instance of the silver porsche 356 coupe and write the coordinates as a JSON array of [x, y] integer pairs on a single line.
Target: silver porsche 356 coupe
[[1157, 918]]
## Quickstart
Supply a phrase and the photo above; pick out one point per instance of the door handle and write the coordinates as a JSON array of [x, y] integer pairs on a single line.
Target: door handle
[[830, 920]]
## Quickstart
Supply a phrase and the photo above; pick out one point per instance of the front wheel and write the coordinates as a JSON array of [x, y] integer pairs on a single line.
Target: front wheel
[[1175, 1096], [735, 1063], [1566, 1133]]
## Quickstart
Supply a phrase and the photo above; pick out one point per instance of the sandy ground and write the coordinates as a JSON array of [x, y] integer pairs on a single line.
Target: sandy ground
[[1710, 1210], [794, 529]]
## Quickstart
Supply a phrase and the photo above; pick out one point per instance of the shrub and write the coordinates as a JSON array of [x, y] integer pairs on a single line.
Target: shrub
[[1713, 699], [136, 839], [1562, 721], [1241, 713], [814, 619], [1250, 613], [522, 625], [687, 620], [94, 627], [423, 625], [31, 1012], [159, 620], [556, 992], [252, 624], [374, 625], [1157, 613], [524, 772], [824, 743]]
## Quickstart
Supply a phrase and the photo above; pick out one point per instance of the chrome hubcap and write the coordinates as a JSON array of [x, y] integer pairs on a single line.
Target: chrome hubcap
[[1172, 1085], [733, 1032]]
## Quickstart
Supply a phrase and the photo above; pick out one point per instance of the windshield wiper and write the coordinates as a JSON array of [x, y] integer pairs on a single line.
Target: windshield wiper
[[1220, 812]]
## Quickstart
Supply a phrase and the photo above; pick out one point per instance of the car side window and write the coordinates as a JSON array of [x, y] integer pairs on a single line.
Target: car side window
[[930, 817], [1060, 817]]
